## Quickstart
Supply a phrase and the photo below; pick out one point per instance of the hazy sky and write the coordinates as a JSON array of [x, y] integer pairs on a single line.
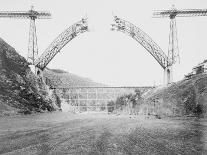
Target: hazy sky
[[108, 56]]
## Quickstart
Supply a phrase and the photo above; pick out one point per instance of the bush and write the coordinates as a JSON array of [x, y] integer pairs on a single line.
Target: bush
[[110, 106]]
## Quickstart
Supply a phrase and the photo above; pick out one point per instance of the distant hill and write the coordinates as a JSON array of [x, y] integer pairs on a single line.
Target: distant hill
[[57, 70], [20, 91], [60, 78]]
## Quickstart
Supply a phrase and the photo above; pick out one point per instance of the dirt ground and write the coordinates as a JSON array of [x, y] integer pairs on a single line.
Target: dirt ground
[[101, 134]]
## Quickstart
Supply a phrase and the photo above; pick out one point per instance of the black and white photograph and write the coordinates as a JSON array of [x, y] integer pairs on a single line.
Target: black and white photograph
[[103, 77]]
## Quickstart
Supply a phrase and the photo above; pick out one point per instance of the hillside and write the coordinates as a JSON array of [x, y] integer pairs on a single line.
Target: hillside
[[20, 90], [60, 78], [186, 97]]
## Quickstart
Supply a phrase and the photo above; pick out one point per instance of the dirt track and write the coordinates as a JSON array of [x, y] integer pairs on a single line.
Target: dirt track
[[64, 133]]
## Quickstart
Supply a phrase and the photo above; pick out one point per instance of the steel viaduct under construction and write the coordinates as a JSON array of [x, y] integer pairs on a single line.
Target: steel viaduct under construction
[[96, 97], [166, 61]]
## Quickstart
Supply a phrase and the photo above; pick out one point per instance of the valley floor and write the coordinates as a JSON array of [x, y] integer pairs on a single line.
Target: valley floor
[[95, 133]]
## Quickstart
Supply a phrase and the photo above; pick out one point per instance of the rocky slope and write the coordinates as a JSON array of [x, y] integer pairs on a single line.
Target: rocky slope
[[20, 90], [186, 97]]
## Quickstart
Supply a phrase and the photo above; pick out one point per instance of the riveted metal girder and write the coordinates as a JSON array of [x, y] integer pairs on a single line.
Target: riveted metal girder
[[172, 13], [142, 38], [25, 14], [66, 36]]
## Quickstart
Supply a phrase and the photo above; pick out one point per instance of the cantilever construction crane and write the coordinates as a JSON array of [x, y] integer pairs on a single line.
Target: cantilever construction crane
[[172, 13], [173, 50], [32, 15]]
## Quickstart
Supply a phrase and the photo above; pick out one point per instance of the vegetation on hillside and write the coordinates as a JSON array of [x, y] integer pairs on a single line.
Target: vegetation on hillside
[[186, 97], [183, 98], [129, 103], [20, 90], [60, 78]]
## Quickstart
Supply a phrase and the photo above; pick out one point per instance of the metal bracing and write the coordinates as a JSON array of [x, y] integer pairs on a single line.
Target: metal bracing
[[25, 14], [32, 15], [103, 87], [66, 36], [142, 38], [180, 13], [95, 96], [173, 51], [32, 45]]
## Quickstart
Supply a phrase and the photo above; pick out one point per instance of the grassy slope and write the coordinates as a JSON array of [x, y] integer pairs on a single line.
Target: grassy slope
[[186, 97], [60, 78], [20, 90]]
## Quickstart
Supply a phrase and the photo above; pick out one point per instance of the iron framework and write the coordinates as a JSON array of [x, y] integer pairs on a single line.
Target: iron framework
[[173, 50], [93, 98], [180, 13], [66, 36], [32, 15], [142, 38]]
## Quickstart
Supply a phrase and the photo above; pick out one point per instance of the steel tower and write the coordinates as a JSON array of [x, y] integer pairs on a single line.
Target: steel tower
[[173, 50], [32, 15]]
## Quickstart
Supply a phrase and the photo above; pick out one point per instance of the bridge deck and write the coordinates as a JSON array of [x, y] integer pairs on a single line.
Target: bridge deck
[[118, 87]]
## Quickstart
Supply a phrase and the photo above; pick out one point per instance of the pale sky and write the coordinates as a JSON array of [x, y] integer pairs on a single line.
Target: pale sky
[[106, 56]]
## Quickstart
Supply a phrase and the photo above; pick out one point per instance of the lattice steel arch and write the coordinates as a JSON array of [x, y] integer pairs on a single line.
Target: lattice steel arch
[[142, 38], [66, 36]]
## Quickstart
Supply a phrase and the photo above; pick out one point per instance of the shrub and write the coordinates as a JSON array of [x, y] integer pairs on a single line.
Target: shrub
[[110, 106]]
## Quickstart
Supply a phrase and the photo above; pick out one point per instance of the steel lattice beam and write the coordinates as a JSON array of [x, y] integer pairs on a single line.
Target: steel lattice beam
[[180, 13], [142, 38], [66, 36], [25, 14]]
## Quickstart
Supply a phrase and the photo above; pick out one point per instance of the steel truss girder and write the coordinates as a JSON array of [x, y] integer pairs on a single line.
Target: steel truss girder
[[25, 14], [180, 13], [142, 38], [66, 36]]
